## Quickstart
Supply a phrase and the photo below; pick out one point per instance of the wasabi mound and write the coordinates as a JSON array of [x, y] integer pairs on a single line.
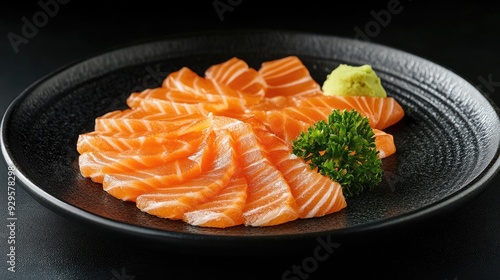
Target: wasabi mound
[[346, 80]]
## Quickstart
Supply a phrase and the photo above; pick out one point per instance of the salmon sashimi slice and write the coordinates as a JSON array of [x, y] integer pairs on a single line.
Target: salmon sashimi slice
[[225, 209], [384, 143], [270, 200], [236, 74], [134, 100], [316, 195], [274, 103], [129, 185], [173, 201], [289, 122], [182, 108], [220, 102], [309, 115], [288, 76], [140, 114], [95, 164], [119, 140], [381, 111], [187, 81], [281, 124], [138, 121]]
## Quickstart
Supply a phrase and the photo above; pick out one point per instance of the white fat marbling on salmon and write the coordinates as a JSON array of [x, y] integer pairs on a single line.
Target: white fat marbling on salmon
[[190, 193]]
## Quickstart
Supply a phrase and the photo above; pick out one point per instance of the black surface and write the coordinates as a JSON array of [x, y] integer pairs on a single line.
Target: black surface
[[463, 244]]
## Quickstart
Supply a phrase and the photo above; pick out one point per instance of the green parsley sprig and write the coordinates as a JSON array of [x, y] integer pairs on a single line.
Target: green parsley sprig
[[342, 148]]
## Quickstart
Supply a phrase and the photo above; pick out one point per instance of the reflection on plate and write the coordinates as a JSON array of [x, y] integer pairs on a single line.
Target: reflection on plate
[[448, 142]]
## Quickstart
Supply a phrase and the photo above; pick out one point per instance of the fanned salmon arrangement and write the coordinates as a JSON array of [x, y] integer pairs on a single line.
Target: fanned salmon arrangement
[[215, 150]]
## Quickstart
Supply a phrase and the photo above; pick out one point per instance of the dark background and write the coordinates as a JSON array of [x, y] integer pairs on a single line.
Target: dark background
[[464, 38]]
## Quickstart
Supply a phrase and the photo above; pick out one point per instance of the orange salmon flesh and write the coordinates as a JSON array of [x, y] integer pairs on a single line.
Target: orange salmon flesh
[[215, 150]]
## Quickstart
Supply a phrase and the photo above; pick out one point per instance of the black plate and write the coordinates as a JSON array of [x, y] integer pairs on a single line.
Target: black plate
[[448, 141]]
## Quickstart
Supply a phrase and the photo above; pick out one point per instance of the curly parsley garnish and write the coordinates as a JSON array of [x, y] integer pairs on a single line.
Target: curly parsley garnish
[[342, 148]]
